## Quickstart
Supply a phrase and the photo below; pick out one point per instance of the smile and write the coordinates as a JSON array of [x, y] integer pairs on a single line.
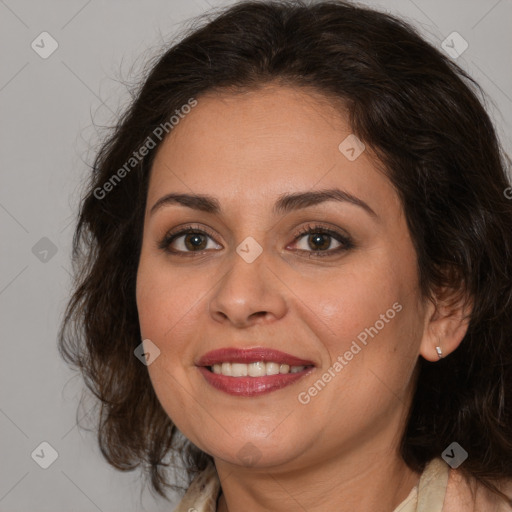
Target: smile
[[253, 386], [257, 369], [251, 372]]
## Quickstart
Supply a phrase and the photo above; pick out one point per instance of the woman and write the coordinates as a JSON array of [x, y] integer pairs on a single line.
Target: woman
[[295, 251]]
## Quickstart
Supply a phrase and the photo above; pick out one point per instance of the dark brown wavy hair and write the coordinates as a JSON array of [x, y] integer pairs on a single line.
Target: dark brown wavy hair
[[424, 119]]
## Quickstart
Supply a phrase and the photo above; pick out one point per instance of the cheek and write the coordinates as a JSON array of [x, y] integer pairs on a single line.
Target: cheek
[[165, 298], [351, 302], [165, 308], [375, 305]]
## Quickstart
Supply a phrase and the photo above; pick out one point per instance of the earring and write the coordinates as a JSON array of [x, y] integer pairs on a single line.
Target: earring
[[439, 352]]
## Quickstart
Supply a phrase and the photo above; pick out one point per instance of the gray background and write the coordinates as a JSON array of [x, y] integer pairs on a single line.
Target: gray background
[[52, 112]]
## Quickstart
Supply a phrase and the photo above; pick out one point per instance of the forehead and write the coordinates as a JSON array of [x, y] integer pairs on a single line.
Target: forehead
[[256, 145]]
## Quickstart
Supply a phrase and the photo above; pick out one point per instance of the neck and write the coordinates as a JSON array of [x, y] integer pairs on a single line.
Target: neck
[[352, 485]]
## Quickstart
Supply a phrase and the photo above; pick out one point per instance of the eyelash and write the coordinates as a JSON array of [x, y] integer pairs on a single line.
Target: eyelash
[[343, 239]]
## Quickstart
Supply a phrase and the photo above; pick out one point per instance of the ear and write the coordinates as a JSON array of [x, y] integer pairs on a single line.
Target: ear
[[447, 317]]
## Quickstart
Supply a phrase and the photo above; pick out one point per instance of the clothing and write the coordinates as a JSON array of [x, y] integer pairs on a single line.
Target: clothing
[[440, 489]]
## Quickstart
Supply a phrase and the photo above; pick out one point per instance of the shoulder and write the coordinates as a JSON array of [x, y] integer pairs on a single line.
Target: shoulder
[[469, 495]]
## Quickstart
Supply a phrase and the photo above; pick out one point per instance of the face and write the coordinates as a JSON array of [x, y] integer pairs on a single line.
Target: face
[[343, 298]]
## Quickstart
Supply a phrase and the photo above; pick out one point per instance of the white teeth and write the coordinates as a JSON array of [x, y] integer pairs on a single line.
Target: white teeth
[[226, 369], [272, 368], [257, 369], [238, 370]]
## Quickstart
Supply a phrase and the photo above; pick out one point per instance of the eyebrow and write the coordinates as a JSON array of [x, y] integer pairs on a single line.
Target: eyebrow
[[284, 204]]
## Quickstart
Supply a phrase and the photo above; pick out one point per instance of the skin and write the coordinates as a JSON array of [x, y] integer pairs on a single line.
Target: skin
[[339, 451]]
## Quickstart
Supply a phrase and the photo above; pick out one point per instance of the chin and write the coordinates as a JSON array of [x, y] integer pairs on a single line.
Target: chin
[[252, 452]]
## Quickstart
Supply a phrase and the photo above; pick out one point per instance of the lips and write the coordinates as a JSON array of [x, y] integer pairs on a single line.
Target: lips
[[251, 386], [254, 355]]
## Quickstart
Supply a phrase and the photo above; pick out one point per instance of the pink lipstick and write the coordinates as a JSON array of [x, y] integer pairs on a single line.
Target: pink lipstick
[[252, 372]]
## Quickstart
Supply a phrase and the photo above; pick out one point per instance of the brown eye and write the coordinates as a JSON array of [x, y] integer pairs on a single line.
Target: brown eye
[[321, 241], [188, 240], [317, 242], [195, 241]]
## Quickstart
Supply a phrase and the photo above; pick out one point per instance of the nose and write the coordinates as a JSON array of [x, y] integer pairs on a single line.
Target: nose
[[248, 294]]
